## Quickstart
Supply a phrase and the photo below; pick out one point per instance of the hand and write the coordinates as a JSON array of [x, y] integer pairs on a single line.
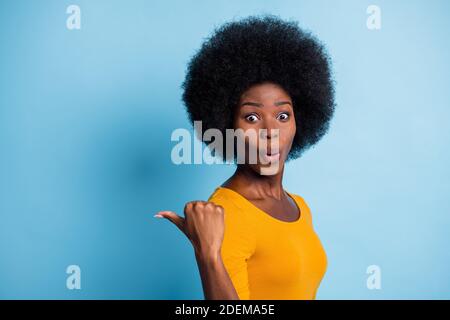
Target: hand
[[203, 224]]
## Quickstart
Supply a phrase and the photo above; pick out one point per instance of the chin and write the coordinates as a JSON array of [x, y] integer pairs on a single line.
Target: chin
[[271, 169]]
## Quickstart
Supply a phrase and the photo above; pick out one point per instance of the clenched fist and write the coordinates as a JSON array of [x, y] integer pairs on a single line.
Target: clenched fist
[[203, 224]]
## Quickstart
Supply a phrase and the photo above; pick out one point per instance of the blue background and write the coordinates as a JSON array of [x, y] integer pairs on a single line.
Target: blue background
[[85, 123]]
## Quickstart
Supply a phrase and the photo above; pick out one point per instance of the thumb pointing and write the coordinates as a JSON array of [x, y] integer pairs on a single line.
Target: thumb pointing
[[173, 217]]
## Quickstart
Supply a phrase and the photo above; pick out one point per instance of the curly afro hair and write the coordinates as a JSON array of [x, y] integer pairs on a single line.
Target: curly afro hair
[[261, 49]]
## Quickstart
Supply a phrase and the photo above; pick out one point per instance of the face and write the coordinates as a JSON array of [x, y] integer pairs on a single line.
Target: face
[[266, 106]]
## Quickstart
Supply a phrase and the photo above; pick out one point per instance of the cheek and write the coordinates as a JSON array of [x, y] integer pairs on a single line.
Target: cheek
[[244, 125], [292, 129], [287, 134]]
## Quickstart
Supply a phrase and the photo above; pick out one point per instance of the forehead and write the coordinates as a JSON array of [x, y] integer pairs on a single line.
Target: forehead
[[265, 92]]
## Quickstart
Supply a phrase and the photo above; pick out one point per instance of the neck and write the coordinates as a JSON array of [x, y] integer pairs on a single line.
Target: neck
[[257, 185]]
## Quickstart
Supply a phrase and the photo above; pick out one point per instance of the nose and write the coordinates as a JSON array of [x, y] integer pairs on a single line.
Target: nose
[[269, 130]]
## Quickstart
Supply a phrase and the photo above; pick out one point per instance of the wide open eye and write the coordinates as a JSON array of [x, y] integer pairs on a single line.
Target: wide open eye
[[251, 118], [283, 116]]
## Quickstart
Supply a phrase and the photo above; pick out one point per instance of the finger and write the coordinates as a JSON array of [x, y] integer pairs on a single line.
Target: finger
[[173, 217]]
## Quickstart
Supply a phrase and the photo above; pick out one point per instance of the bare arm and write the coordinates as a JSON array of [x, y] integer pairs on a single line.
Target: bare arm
[[216, 282]]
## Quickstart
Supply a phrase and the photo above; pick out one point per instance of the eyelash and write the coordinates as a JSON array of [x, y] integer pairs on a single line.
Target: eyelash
[[252, 114]]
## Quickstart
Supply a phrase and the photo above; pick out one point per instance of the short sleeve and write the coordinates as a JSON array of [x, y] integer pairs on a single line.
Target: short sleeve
[[238, 245]]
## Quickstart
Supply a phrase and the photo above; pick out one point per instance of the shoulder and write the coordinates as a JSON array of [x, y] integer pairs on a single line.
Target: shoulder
[[235, 209], [298, 198], [226, 199], [305, 210], [238, 229]]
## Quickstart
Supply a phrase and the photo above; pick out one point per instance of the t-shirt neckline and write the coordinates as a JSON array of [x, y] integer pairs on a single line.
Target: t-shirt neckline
[[270, 217]]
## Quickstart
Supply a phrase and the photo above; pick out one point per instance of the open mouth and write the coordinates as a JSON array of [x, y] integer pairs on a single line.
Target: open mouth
[[271, 157]]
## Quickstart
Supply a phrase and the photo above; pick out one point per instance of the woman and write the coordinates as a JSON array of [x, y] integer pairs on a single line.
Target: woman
[[252, 239]]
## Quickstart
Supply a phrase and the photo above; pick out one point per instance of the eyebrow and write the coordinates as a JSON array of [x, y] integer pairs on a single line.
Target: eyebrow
[[255, 104]]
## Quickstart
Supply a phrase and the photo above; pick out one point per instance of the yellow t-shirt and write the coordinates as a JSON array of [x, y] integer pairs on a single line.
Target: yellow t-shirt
[[267, 258]]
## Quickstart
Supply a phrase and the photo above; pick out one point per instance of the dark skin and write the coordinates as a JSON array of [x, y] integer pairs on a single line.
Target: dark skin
[[263, 106], [266, 106]]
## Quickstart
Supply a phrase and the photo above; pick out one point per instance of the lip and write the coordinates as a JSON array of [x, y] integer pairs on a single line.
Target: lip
[[271, 157]]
